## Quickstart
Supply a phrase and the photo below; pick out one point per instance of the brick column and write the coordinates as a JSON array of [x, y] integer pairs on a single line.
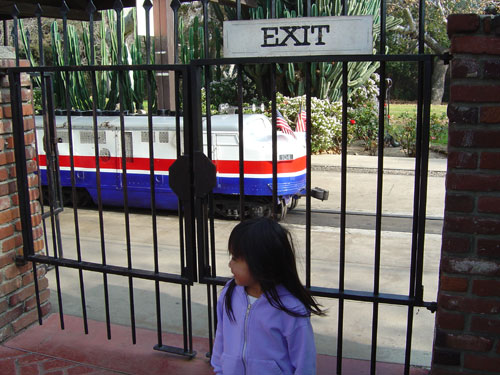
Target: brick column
[[467, 336], [18, 307]]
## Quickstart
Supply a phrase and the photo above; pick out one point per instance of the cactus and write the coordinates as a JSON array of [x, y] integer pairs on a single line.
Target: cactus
[[107, 81]]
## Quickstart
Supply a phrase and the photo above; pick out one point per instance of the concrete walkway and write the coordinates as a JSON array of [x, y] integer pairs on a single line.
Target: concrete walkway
[[49, 350]]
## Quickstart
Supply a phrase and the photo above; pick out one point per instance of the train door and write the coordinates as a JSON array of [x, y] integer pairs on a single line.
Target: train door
[[126, 138]]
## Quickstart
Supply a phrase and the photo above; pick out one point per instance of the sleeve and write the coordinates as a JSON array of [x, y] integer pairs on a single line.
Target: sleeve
[[218, 348], [302, 349]]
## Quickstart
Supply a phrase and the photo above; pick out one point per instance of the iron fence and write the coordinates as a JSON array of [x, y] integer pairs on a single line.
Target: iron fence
[[196, 209]]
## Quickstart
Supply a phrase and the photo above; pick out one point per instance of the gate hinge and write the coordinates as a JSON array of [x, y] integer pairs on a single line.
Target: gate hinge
[[432, 307], [446, 57], [20, 261]]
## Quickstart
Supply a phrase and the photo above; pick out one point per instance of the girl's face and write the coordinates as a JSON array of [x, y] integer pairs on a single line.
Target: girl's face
[[243, 277]]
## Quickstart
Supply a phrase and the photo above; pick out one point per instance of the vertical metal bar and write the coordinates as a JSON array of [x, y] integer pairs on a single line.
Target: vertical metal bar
[[147, 5], [421, 27], [238, 9], [175, 4], [118, 7], [420, 184], [21, 169], [5, 33], [274, 141], [98, 180], [241, 143], [38, 14], [380, 173], [64, 12], [423, 176], [180, 210], [15, 37], [343, 206], [53, 181], [273, 8], [210, 231], [193, 142], [308, 175]]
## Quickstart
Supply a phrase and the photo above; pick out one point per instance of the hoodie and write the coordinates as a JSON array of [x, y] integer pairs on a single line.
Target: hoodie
[[263, 340]]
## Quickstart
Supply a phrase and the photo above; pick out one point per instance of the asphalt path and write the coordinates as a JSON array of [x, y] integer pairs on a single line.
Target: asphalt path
[[359, 220]]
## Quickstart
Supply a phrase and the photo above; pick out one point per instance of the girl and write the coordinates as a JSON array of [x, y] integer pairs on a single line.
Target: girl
[[263, 312]]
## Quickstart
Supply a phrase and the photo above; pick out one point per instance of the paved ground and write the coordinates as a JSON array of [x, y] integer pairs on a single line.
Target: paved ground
[[48, 350]]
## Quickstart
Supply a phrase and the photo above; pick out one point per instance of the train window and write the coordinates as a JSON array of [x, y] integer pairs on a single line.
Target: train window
[[145, 137], [87, 137], [63, 136], [163, 137], [128, 146], [229, 140]]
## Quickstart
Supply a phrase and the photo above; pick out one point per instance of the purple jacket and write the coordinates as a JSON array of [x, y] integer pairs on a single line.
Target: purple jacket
[[263, 340]]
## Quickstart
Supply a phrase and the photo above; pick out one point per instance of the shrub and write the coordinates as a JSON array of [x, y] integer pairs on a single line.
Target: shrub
[[326, 132], [405, 130]]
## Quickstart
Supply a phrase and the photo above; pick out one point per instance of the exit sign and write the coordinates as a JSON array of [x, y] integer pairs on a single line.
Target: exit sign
[[344, 35]]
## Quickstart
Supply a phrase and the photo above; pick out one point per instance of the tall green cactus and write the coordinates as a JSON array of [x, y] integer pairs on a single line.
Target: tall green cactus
[[107, 81], [77, 85]]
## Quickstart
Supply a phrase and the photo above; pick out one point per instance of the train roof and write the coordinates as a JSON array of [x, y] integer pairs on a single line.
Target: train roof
[[222, 123]]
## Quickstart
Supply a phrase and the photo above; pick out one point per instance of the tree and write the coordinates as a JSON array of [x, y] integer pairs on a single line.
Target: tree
[[435, 37]]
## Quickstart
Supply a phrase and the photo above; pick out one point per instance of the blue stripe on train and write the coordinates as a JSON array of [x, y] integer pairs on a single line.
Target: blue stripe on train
[[139, 187]]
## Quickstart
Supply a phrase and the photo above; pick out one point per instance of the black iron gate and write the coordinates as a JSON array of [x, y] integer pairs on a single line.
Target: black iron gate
[[192, 178]]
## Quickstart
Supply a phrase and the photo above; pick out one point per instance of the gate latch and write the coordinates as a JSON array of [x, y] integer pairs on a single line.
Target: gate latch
[[204, 172]]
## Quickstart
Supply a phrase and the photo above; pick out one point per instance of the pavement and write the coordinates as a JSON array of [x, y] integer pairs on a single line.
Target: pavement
[[47, 349]]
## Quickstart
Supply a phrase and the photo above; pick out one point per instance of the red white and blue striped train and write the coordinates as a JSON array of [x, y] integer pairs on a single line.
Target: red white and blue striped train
[[225, 150]]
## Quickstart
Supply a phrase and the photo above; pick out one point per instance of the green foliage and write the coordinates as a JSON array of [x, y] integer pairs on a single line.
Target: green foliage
[[80, 51], [326, 132], [405, 132]]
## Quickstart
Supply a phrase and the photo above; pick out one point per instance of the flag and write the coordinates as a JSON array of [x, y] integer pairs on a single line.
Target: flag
[[282, 124], [301, 121]]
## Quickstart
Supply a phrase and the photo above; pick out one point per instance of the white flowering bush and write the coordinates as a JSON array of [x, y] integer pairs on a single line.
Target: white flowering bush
[[326, 117], [326, 133]]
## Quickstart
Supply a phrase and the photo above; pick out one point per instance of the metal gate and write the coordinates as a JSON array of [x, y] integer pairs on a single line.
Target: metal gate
[[191, 177]]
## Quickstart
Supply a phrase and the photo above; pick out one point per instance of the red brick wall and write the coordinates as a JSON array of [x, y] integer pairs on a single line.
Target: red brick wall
[[467, 339], [17, 289]]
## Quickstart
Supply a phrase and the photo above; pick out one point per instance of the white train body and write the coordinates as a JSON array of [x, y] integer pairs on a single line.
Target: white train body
[[225, 155]]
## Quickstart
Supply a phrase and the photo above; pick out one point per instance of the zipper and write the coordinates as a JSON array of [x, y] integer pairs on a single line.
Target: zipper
[[245, 328]]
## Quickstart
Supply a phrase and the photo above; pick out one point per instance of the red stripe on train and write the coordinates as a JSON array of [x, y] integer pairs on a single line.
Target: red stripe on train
[[223, 166]]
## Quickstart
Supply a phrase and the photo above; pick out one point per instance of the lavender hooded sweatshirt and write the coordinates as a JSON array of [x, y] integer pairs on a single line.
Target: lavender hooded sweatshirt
[[263, 340]]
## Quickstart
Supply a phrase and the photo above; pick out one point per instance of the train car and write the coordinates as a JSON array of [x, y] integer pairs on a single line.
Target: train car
[[225, 155]]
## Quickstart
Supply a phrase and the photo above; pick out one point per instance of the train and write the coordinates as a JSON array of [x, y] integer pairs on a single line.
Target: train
[[257, 133]]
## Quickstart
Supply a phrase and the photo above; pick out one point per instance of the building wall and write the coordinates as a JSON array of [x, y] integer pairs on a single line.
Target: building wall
[[18, 307], [467, 338]]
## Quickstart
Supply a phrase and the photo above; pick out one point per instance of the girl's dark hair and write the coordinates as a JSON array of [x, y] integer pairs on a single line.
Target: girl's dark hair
[[268, 249]]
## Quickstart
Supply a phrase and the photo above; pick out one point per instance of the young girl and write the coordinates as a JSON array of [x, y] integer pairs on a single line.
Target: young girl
[[263, 324]]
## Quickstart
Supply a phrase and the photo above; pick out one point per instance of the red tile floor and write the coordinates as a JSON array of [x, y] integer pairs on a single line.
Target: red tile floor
[[47, 349]]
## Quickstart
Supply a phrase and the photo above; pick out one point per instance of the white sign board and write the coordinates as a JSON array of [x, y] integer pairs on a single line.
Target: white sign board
[[345, 35]]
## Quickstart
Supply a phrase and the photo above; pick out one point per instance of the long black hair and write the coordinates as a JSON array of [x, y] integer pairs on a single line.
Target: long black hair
[[268, 249]]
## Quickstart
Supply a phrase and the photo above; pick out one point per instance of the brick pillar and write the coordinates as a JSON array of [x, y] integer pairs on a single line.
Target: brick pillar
[[18, 307], [467, 336]]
